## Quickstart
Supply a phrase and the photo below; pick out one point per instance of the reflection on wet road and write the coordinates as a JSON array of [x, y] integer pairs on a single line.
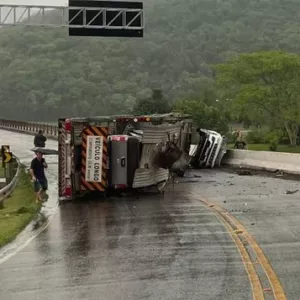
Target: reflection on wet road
[[146, 248], [156, 247]]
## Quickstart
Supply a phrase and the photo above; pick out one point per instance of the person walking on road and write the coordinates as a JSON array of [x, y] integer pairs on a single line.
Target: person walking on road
[[40, 140], [37, 172]]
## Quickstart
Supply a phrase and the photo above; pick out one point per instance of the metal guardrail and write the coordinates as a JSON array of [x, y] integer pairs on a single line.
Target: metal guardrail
[[50, 131], [8, 189]]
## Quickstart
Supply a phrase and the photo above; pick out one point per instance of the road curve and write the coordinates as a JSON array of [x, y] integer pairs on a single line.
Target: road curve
[[157, 247], [152, 247], [269, 208]]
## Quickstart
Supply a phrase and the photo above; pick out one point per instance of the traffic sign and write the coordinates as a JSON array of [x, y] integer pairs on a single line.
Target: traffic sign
[[8, 157], [106, 18], [4, 148]]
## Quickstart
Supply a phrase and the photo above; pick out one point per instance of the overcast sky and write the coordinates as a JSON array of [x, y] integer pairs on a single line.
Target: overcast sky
[[36, 2]]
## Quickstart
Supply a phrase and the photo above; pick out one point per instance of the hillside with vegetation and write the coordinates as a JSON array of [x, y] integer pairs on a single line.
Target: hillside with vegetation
[[44, 74]]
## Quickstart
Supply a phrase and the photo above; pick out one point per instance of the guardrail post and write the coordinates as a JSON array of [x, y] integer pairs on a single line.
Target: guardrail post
[[7, 159], [9, 172], [12, 173]]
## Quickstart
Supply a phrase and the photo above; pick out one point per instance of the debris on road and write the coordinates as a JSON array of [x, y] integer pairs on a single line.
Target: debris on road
[[291, 192], [279, 174], [244, 173]]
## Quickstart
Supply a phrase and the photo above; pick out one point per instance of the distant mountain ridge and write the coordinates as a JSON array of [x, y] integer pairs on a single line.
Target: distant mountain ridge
[[45, 73]]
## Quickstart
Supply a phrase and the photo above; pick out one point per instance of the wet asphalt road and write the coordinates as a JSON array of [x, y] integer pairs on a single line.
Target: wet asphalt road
[[268, 211], [154, 247]]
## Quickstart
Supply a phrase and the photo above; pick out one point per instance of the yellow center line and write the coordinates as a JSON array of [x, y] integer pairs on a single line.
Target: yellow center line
[[277, 288], [257, 290]]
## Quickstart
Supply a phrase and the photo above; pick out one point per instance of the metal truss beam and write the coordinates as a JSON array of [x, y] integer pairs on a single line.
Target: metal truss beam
[[72, 17]]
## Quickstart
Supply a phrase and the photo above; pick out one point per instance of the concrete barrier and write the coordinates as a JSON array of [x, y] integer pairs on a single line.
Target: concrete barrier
[[259, 160], [50, 131], [264, 160]]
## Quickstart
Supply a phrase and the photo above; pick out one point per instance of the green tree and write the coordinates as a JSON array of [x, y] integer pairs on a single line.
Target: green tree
[[205, 115], [265, 85], [45, 74], [156, 104]]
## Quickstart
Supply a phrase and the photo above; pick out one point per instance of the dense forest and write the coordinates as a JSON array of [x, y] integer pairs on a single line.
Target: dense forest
[[45, 74]]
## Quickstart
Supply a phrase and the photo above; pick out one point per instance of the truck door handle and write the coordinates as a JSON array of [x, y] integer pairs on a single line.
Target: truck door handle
[[123, 162]]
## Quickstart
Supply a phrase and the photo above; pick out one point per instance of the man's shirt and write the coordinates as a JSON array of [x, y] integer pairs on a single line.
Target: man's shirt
[[38, 168]]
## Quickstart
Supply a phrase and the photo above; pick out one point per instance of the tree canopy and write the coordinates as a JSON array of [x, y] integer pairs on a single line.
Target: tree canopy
[[265, 87], [44, 74], [156, 104]]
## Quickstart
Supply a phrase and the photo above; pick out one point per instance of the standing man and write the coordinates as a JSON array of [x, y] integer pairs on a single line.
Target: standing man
[[40, 140], [37, 172], [239, 142]]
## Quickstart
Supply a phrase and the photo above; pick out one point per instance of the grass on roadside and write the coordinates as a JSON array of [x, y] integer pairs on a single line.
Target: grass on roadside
[[1, 171], [265, 147], [19, 209]]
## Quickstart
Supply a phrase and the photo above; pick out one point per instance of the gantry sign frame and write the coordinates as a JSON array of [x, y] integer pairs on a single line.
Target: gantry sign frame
[[108, 18], [81, 17]]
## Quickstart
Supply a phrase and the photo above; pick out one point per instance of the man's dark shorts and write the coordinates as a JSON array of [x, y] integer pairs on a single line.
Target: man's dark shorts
[[38, 184]]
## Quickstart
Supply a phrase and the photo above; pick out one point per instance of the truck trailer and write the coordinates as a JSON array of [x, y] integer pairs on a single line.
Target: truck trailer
[[101, 154]]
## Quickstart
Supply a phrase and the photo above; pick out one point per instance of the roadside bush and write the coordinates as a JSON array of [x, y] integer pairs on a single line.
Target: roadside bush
[[273, 138], [257, 137], [274, 144], [284, 140]]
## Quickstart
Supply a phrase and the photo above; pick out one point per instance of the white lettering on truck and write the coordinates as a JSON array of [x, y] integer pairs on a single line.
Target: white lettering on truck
[[94, 159]]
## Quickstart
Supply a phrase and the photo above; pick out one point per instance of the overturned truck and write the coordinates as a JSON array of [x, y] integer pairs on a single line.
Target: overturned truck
[[101, 154], [208, 149]]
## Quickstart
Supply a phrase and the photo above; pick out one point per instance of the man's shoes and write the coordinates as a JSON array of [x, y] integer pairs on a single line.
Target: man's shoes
[[45, 197]]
